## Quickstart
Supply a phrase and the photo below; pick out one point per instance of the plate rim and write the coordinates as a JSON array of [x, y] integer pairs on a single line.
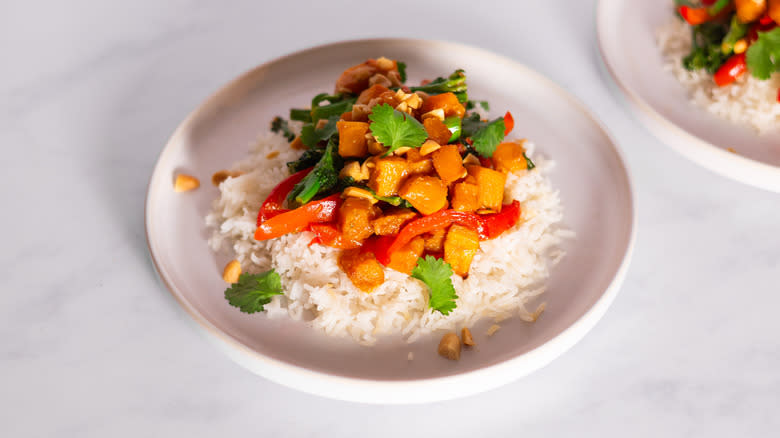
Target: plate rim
[[406, 391], [707, 155]]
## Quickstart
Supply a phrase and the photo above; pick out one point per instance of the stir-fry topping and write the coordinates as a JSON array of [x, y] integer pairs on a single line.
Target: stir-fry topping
[[731, 38], [409, 178]]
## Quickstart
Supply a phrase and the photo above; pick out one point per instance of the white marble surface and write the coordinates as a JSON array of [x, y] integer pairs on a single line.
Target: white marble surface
[[91, 345]]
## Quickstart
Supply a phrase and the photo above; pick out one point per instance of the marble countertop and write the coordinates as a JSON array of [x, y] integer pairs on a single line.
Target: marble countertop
[[91, 345]]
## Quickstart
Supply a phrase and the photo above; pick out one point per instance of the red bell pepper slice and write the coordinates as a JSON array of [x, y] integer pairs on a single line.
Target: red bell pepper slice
[[509, 122], [731, 70], [272, 205], [694, 16], [297, 220], [329, 235], [486, 162], [493, 225], [380, 247]]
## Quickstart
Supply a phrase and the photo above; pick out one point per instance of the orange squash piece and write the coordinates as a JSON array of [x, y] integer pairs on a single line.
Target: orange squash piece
[[417, 163], [391, 221], [362, 268], [446, 101], [460, 247], [428, 194], [465, 197], [448, 164], [490, 187], [371, 93], [434, 242], [437, 130], [509, 157], [387, 176], [352, 138], [405, 259], [354, 219]]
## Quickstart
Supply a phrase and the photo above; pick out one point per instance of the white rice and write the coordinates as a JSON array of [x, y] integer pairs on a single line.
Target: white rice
[[748, 101], [506, 275]]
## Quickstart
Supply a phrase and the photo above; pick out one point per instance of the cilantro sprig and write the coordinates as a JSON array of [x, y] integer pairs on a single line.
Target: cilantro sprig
[[395, 129], [488, 137], [436, 273], [253, 291], [763, 56]]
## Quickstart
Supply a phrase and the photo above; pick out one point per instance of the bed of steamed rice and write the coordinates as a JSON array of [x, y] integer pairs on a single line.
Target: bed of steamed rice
[[749, 101], [506, 276]]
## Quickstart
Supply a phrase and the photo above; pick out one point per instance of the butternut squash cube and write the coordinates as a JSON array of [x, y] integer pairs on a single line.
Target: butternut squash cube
[[352, 138], [417, 163], [392, 221], [447, 102], [362, 268], [509, 157], [354, 219], [437, 130], [405, 259], [460, 247], [448, 164], [490, 187], [465, 197], [428, 194], [388, 175], [434, 242], [371, 93]]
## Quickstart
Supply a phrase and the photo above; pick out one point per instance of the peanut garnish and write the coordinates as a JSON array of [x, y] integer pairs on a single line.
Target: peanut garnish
[[232, 271], [185, 183], [449, 346], [221, 175], [465, 334], [271, 155]]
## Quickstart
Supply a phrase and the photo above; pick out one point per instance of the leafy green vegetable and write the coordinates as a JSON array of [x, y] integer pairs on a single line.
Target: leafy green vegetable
[[394, 129], [310, 136], [336, 108], [763, 56], [322, 178], [471, 124], [280, 125], [736, 31], [309, 158], [253, 291], [436, 273], [488, 137], [301, 115], [706, 52], [471, 104], [454, 125], [718, 6], [455, 83], [528, 163], [402, 70]]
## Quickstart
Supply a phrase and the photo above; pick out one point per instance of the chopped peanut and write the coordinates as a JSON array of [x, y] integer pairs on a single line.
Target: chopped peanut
[[185, 183], [232, 271], [357, 192], [449, 346], [471, 160], [493, 329], [438, 113], [465, 334], [384, 63], [354, 170], [429, 147], [221, 175]]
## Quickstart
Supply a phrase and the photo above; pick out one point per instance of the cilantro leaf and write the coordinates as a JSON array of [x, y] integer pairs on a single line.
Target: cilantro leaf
[[436, 274], [488, 137], [394, 129], [279, 125], [253, 291], [471, 124], [763, 56], [528, 163]]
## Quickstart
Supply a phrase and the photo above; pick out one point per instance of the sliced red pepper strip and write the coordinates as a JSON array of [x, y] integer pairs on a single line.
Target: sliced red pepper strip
[[432, 222], [486, 162], [778, 95], [329, 235], [272, 205], [731, 70], [765, 19], [380, 247], [493, 225], [695, 16], [297, 220], [509, 122]]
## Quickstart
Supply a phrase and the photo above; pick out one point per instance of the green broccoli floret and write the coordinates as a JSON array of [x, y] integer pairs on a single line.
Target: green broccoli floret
[[322, 178], [455, 83]]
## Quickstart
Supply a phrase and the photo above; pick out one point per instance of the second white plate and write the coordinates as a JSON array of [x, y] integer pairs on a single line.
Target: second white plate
[[626, 36]]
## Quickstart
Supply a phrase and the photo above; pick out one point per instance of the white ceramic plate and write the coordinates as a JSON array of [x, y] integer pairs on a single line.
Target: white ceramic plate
[[591, 175], [626, 35]]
